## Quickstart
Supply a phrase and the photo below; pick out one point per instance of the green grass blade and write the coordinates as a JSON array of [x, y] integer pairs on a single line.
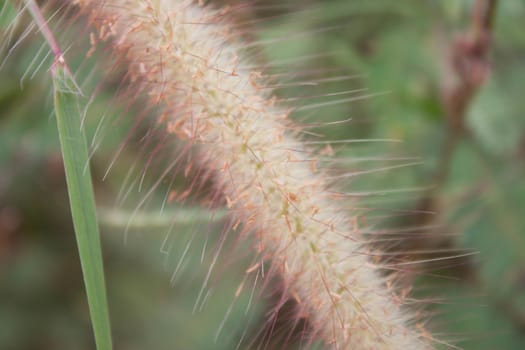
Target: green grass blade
[[82, 201]]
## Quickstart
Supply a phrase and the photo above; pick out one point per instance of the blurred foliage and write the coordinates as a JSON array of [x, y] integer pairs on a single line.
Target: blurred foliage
[[398, 52]]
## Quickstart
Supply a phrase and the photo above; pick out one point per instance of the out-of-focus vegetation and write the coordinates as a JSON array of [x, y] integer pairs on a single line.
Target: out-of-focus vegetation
[[465, 196]]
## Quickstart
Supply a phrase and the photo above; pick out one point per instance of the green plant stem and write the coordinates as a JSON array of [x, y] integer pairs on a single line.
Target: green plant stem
[[80, 188], [82, 200]]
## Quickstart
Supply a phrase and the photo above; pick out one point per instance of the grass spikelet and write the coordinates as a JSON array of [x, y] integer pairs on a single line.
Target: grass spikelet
[[189, 60]]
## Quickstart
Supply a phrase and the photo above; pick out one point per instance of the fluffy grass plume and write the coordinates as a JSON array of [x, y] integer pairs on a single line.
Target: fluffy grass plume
[[188, 59]]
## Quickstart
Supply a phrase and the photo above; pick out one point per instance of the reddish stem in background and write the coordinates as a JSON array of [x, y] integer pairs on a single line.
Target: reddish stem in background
[[468, 69], [469, 66]]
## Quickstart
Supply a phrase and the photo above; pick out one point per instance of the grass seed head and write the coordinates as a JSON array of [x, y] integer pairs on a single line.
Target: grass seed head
[[188, 59]]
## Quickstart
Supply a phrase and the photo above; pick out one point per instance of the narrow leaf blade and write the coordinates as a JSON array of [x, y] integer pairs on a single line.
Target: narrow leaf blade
[[76, 162]]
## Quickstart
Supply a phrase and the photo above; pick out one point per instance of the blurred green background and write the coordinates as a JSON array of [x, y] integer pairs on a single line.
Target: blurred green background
[[461, 197]]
